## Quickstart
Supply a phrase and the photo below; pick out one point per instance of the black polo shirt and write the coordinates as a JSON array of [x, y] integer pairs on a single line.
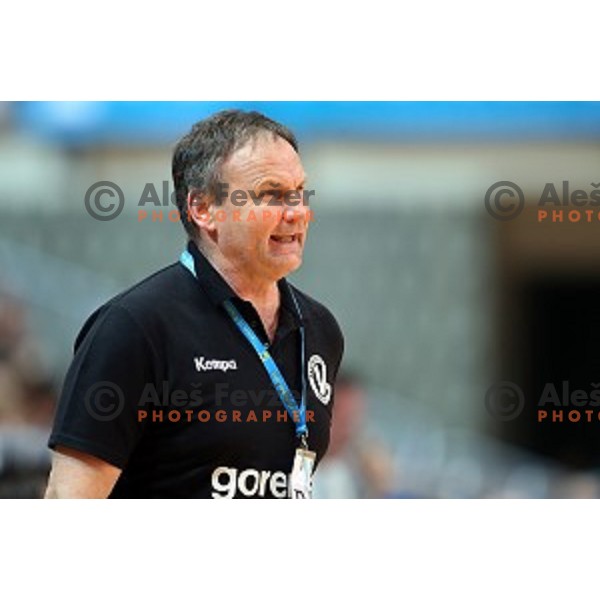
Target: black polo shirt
[[164, 386]]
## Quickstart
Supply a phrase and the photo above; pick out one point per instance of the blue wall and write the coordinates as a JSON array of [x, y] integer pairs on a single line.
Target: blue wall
[[163, 122]]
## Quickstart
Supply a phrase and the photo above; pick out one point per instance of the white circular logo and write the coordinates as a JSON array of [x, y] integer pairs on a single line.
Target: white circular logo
[[317, 375]]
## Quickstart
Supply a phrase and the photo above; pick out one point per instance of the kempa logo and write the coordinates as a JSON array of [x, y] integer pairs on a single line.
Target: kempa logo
[[317, 375], [203, 364], [226, 482]]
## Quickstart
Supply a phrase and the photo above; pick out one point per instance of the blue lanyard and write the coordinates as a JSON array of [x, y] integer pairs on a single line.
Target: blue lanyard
[[298, 413]]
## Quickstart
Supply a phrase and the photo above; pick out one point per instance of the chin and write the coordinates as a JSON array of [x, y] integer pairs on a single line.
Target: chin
[[283, 266]]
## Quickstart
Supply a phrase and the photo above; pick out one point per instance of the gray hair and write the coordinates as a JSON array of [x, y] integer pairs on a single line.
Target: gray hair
[[200, 154]]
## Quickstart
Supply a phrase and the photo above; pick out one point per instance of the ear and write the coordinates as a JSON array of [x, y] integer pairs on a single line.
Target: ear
[[200, 208]]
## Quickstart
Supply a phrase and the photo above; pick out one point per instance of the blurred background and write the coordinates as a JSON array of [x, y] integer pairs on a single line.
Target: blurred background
[[439, 299]]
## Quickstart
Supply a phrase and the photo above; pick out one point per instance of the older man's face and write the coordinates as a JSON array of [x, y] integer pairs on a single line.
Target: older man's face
[[263, 238]]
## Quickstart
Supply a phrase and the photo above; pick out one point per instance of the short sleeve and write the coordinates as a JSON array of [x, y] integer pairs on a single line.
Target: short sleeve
[[338, 352], [97, 411], [335, 340], [340, 345]]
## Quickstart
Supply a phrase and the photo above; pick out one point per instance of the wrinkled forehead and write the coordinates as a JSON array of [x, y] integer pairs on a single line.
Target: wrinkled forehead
[[264, 156]]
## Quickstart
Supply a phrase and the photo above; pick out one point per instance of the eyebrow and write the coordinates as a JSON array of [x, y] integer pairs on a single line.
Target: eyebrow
[[269, 183], [273, 183]]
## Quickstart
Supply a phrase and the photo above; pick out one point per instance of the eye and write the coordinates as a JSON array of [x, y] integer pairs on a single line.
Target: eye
[[269, 195]]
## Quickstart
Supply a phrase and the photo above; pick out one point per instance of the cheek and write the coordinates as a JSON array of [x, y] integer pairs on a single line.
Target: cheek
[[244, 237], [249, 227], [231, 233], [269, 217]]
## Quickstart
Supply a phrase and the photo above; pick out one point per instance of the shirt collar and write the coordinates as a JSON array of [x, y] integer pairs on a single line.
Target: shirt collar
[[218, 290]]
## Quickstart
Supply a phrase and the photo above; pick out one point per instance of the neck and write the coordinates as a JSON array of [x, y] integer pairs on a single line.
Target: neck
[[262, 293]]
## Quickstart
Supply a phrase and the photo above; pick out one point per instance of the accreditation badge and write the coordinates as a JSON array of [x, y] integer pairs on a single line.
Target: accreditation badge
[[300, 482]]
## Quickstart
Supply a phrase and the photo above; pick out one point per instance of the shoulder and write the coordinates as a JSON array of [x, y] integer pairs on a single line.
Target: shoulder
[[317, 314], [311, 308], [141, 307], [157, 291]]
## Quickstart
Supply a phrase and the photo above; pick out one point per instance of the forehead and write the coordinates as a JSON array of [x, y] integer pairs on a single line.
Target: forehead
[[261, 157]]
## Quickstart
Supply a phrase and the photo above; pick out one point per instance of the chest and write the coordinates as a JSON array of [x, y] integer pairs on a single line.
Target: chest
[[217, 402]]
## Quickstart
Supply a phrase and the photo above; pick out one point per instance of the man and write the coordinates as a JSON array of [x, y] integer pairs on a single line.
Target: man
[[212, 378]]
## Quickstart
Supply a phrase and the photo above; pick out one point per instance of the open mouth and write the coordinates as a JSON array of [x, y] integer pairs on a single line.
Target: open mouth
[[285, 239]]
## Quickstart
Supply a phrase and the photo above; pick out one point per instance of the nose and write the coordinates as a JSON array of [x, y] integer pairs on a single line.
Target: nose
[[295, 214], [290, 215]]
